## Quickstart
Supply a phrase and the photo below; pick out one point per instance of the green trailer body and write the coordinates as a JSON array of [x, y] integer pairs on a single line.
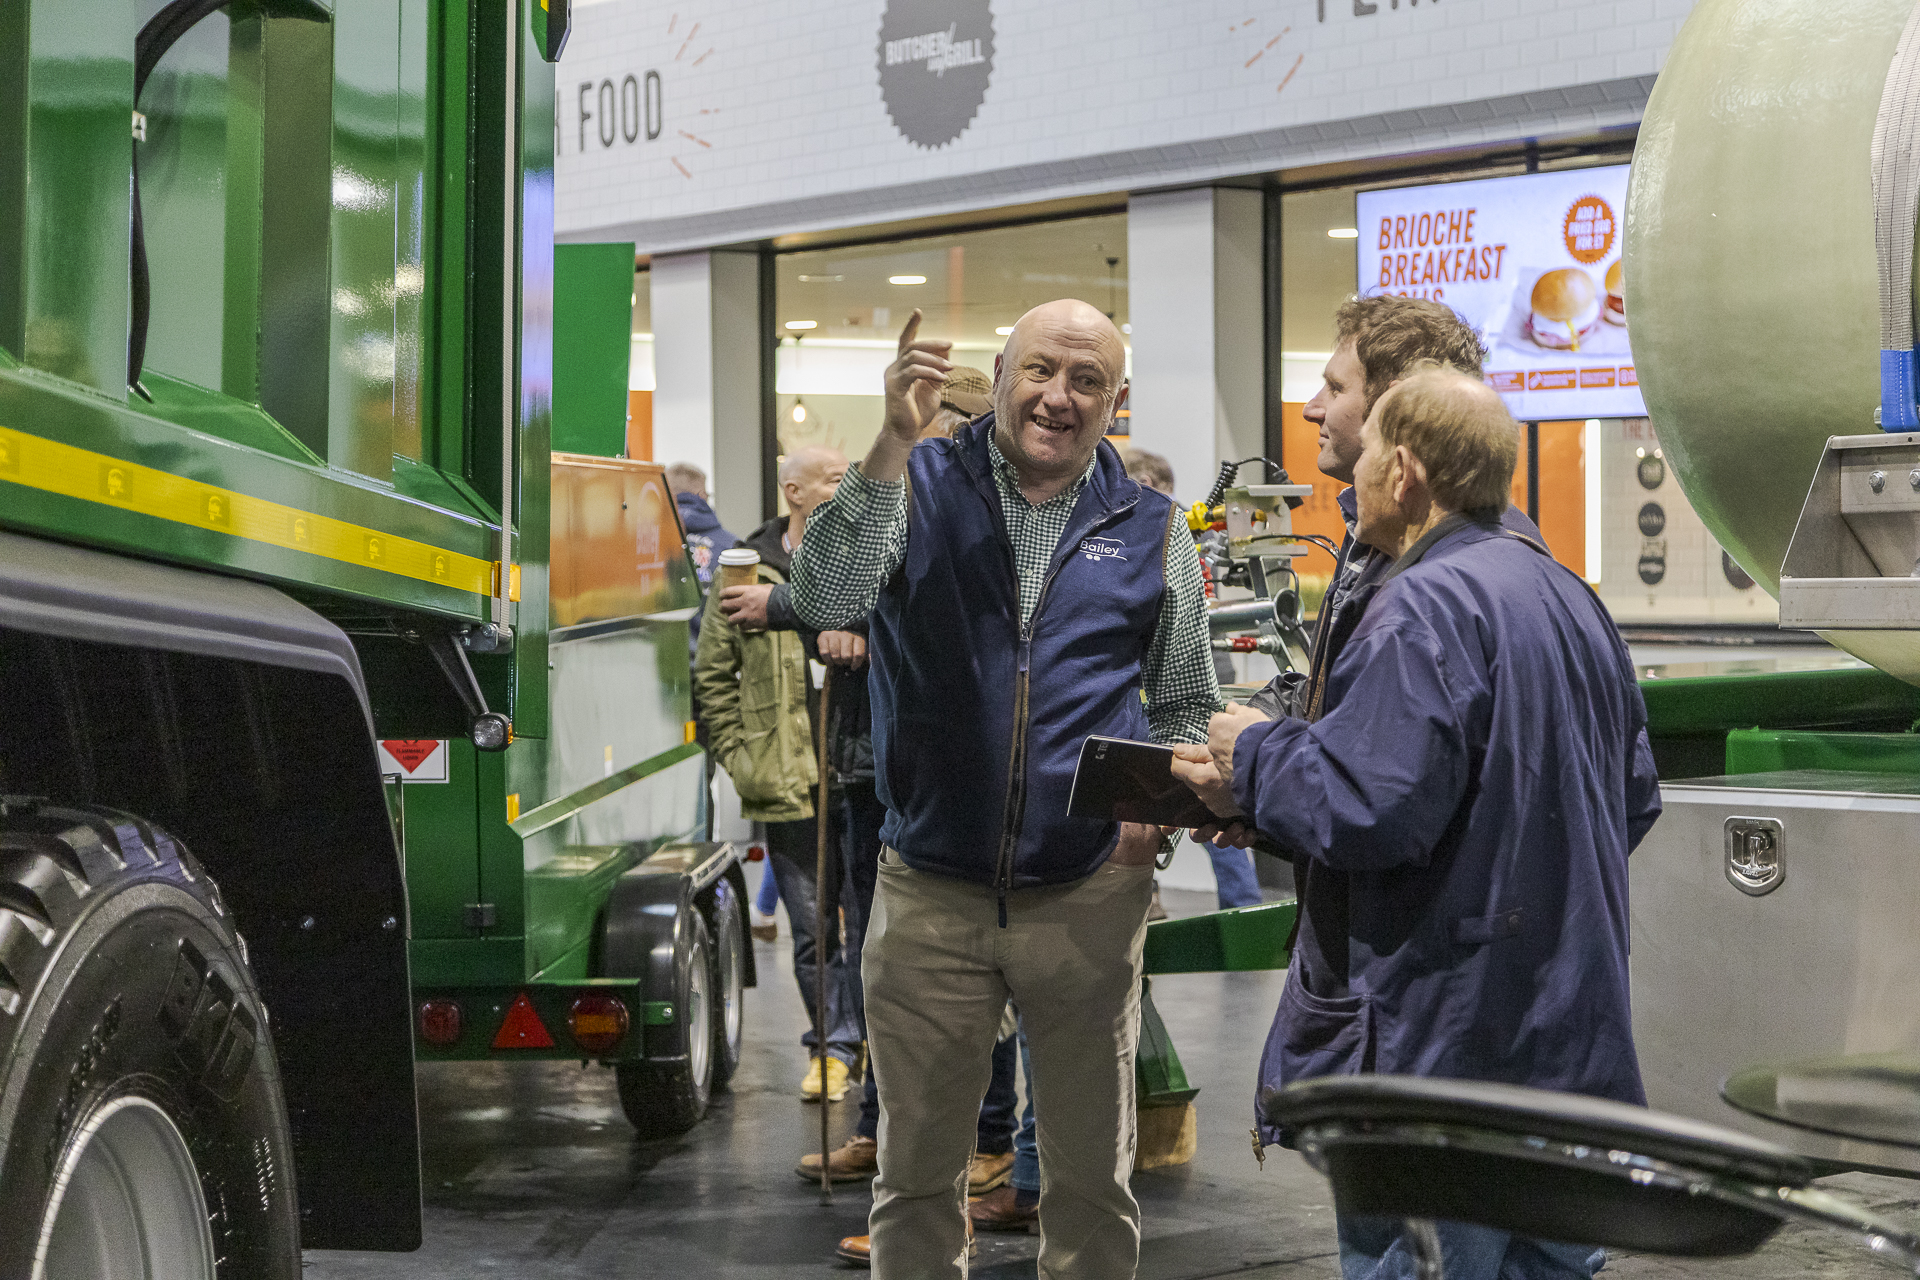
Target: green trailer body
[[276, 496]]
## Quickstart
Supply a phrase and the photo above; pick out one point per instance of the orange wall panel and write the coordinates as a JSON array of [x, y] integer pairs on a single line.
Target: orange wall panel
[[1300, 446], [640, 425], [1563, 493]]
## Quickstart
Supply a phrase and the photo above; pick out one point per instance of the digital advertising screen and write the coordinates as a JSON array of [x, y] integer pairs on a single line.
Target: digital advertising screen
[[1533, 263]]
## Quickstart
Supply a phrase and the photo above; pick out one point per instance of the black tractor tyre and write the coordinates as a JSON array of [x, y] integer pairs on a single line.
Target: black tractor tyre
[[729, 985], [665, 1099], [143, 1130]]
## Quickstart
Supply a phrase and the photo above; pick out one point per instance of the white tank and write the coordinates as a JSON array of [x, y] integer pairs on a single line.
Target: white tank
[[1750, 271]]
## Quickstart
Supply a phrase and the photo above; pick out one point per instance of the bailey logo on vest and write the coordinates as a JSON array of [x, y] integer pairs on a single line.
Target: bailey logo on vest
[[1102, 548]]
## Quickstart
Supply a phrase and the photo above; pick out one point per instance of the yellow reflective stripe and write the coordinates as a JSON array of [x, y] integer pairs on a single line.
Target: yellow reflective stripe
[[38, 463]]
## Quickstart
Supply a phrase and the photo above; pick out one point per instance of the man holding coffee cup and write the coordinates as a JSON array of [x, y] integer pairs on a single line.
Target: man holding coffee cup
[[757, 689]]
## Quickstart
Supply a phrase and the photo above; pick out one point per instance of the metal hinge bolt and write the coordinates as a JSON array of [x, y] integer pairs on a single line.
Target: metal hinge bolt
[[1876, 480]]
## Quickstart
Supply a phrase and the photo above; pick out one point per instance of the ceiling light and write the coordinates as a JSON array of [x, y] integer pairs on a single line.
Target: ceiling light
[[799, 411], [803, 324], [820, 279], [1345, 233], [1004, 330], [906, 279], [1126, 328]]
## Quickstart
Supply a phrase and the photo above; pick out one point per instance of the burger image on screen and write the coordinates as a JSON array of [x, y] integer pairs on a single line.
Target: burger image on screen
[[1616, 312], [1566, 308]]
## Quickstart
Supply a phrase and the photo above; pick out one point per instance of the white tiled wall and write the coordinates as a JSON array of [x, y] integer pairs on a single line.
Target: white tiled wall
[[772, 119]]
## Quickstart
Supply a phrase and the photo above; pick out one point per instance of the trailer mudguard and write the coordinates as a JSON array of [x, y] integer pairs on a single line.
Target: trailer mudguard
[[645, 931], [238, 720]]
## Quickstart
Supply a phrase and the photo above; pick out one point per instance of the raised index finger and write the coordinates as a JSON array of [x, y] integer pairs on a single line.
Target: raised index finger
[[907, 334]]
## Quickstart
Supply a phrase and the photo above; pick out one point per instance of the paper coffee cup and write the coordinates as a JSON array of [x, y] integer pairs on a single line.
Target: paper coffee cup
[[739, 567]]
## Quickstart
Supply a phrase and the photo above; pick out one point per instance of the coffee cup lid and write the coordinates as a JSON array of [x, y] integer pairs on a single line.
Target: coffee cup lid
[[740, 555]]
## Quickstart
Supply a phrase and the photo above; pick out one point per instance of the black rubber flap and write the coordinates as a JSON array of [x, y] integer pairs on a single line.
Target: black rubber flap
[[1381, 1165]]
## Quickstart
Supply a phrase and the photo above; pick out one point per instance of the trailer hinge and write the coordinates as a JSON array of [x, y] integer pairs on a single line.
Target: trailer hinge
[[480, 915]]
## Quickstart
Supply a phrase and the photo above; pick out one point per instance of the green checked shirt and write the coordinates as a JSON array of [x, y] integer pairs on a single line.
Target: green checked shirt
[[857, 540]]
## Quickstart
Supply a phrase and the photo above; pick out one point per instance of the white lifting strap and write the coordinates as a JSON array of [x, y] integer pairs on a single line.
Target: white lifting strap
[[1896, 202]]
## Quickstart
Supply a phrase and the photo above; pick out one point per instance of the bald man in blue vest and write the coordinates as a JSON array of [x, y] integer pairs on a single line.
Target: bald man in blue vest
[[1023, 593]]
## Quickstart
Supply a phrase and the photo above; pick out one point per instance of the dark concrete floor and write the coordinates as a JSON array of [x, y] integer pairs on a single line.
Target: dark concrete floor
[[531, 1172]]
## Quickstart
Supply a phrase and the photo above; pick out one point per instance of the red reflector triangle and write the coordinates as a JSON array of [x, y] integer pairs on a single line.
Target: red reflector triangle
[[522, 1028]]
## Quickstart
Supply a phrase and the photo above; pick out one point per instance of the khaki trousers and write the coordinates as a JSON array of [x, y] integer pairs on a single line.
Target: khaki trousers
[[938, 971]]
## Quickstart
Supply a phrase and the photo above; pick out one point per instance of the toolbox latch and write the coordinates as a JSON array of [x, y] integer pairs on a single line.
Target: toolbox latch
[[1756, 855]]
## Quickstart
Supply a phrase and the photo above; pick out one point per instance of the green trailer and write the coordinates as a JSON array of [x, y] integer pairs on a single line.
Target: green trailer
[[336, 730]]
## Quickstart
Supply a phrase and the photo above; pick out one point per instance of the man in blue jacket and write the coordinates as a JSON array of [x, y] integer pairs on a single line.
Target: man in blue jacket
[[706, 538], [1480, 778], [1023, 593]]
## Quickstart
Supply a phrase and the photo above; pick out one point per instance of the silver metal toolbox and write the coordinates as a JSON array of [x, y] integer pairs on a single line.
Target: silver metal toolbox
[[1776, 916]]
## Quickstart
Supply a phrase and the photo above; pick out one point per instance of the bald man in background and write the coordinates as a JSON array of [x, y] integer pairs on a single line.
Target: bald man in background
[[1023, 593], [762, 710]]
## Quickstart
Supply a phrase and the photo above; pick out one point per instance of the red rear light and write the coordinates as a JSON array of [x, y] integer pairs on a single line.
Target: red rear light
[[756, 852], [440, 1022], [598, 1023]]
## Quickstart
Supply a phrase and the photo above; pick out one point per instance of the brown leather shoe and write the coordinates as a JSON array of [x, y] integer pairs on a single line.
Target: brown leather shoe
[[858, 1250], [855, 1161], [987, 1172], [1000, 1210]]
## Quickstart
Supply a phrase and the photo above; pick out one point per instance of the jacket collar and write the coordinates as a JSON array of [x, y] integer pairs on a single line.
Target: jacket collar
[[1459, 523], [696, 513], [766, 540]]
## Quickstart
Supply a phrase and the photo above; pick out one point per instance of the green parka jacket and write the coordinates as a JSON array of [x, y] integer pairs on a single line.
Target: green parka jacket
[[753, 695]]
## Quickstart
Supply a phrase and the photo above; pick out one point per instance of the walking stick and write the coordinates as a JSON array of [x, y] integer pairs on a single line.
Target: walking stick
[[820, 935]]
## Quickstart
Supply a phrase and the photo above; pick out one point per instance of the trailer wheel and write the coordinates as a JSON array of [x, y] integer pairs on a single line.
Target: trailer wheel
[[143, 1132], [665, 1099], [729, 982]]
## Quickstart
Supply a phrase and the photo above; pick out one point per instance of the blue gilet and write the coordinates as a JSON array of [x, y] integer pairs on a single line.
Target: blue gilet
[[977, 720]]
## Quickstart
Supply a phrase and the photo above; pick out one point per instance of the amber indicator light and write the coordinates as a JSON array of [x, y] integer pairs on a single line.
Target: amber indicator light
[[598, 1022]]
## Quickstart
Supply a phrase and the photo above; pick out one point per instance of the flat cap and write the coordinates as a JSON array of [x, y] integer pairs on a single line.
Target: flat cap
[[968, 390]]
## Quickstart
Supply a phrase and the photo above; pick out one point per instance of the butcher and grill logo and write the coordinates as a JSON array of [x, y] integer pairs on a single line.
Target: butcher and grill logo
[[935, 60]]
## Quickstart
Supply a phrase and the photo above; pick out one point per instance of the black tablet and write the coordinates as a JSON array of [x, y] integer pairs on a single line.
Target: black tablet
[[1120, 780]]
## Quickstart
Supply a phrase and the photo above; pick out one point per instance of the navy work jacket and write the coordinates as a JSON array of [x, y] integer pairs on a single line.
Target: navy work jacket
[[977, 719], [1481, 776]]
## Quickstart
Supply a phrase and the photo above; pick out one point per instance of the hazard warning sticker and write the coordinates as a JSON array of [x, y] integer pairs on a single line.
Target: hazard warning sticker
[[414, 759]]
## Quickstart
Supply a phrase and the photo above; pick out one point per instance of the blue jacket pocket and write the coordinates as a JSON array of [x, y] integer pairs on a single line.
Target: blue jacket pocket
[[1314, 1036], [1477, 931]]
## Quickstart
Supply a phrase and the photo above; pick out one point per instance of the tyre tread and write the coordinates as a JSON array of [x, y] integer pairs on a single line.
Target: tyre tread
[[52, 859], [60, 864], [22, 901]]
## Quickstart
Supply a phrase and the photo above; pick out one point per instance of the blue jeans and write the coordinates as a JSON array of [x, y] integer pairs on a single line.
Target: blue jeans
[[1026, 1147], [1373, 1248], [768, 896], [994, 1135], [1233, 877], [793, 855], [997, 1132]]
